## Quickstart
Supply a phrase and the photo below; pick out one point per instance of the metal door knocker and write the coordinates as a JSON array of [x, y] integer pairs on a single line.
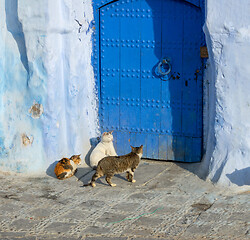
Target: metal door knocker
[[164, 67]]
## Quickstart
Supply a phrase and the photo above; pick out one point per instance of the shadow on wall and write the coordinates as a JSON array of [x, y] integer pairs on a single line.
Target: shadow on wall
[[15, 27], [50, 170], [240, 177], [93, 143]]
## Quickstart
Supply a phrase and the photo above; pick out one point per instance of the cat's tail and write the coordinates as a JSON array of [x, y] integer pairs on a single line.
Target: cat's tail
[[92, 184], [89, 184], [62, 176], [86, 185], [96, 175]]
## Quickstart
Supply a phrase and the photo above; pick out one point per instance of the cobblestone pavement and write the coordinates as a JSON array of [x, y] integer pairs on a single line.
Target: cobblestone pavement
[[166, 202]]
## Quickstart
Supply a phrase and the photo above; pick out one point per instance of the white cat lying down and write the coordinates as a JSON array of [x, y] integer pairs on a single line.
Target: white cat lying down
[[103, 149]]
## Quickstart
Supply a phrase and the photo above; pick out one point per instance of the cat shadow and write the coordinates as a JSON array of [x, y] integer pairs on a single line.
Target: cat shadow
[[93, 143], [84, 174], [87, 179], [50, 170], [121, 177]]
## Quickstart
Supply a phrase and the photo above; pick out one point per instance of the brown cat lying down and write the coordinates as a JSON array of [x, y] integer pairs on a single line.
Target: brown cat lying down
[[111, 165]]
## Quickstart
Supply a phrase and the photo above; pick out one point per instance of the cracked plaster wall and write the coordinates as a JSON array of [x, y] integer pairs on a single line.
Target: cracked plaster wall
[[47, 104], [227, 88]]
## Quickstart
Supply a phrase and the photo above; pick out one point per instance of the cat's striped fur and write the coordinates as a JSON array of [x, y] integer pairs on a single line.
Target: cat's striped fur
[[111, 165]]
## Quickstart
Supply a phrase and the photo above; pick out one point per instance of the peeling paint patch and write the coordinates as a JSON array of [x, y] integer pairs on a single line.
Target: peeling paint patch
[[27, 140], [36, 110]]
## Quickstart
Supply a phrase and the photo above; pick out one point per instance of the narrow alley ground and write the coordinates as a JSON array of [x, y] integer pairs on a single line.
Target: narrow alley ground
[[166, 202]]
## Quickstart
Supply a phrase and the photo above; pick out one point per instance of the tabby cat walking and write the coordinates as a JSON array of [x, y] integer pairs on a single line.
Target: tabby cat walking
[[111, 165]]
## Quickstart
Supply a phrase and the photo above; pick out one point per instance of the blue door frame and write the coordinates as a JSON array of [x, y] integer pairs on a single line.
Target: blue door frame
[[149, 74]]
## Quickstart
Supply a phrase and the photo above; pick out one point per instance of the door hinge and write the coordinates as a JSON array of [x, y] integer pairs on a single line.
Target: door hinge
[[203, 52]]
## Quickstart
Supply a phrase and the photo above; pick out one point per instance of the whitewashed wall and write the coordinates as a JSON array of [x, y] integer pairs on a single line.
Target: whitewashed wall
[[45, 62], [227, 30]]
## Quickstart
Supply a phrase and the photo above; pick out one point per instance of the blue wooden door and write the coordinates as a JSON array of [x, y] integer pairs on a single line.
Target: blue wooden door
[[151, 76]]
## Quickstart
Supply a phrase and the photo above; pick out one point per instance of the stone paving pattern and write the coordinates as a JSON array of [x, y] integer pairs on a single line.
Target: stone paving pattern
[[167, 202]]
